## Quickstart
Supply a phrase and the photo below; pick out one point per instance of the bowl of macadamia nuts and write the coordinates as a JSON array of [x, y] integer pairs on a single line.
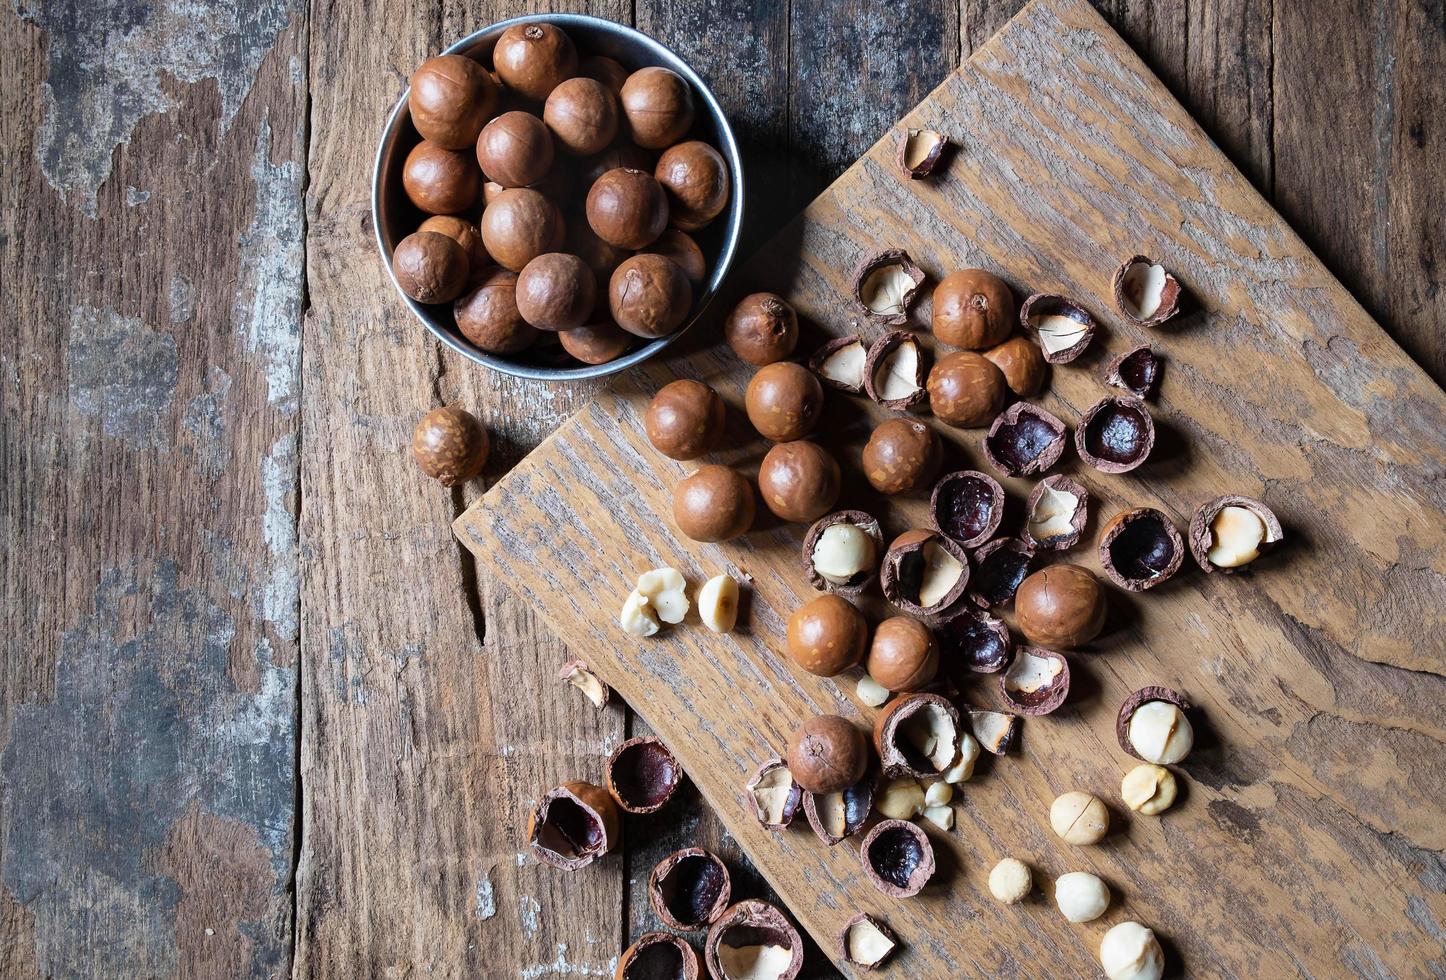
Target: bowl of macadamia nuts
[[557, 196]]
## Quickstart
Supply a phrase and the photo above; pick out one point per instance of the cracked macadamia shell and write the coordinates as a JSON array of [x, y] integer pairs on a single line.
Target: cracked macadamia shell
[[649, 296], [966, 390], [695, 178], [1062, 328], [895, 371], [753, 941], [659, 956], [515, 149], [901, 456], [430, 267], [627, 208], [1229, 533], [973, 309], [450, 445], [714, 503], [924, 573], [533, 59], [658, 106], [573, 825], [1153, 726], [827, 754], [1140, 549], [826, 636], [999, 568], [689, 889], [903, 655], [449, 98], [556, 291], [784, 401], [440, 181], [519, 225], [1037, 682], [762, 328], [1022, 363], [840, 363], [885, 286], [995, 731], [1146, 292], [919, 152], [917, 735], [839, 815], [799, 481], [582, 115], [1137, 371], [642, 774], [1024, 440], [1056, 513], [967, 506], [867, 942], [488, 315], [897, 858], [685, 419], [976, 641], [773, 795], [1115, 434], [1060, 606], [841, 552]]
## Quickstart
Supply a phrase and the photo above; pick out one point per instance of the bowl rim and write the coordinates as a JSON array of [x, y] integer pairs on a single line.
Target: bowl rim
[[726, 253]]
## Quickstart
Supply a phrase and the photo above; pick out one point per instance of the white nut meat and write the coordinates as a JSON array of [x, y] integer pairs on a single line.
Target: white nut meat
[[718, 603], [842, 551], [666, 591], [1160, 733], [963, 768], [1010, 881], [871, 692], [638, 616], [900, 799], [1149, 789], [1081, 896], [1079, 818], [576, 673], [1236, 534], [1130, 951], [940, 816], [938, 794]]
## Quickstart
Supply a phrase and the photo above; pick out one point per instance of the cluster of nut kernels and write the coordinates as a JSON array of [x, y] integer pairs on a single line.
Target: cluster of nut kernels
[[561, 193]]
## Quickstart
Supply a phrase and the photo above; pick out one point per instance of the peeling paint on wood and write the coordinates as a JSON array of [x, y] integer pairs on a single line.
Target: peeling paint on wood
[[124, 373]]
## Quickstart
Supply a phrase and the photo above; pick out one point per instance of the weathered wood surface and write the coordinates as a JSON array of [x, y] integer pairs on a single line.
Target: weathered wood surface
[[1309, 838]]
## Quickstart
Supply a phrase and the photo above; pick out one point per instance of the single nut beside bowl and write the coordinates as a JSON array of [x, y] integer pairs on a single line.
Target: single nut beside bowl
[[827, 754], [1149, 789], [1152, 726], [1010, 881], [450, 445], [1081, 896], [1230, 532], [841, 551], [1079, 818]]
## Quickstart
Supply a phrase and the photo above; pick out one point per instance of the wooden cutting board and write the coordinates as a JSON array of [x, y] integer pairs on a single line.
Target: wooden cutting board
[[1308, 838]]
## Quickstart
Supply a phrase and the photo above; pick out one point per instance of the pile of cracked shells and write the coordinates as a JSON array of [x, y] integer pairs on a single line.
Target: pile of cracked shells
[[946, 581]]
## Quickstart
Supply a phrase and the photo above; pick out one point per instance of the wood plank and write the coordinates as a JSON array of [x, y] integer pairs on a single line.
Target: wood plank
[[150, 253], [1301, 669]]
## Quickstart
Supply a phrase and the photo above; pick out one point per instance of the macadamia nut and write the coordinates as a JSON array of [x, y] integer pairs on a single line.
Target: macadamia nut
[[718, 603], [900, 799], [1079, 818], [1010, 881], [1149, 789], [940, 816], [963, 768], [1130, 951], [1081, 896], [1160, 733], [1236, 535], [871, 692], [638, 616], [842, 552], [938, 794], [660, 597]]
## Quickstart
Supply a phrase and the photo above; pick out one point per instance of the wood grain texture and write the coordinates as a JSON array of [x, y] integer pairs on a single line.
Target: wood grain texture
[[1319, 677]]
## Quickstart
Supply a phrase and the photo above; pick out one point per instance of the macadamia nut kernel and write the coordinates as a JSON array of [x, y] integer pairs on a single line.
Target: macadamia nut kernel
[[1235, 537], [638, 616], [900, 799], [963, 768], [1010, 881], [1081, 896], [1149, 789], [660, 597], [939, 794], [1079, 818], [718, 603], [940, 816], [871, 692], [843, 551], [1130, 951], [1160, 733]]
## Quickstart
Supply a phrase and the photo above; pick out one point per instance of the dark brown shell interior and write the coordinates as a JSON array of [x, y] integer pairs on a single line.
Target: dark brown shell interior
[[896, 855], [999, 571], [975, 641], [1118, 433], [858, 803], [1018, 444], [1139, 371], [644, 774], [657, 961], [568, 828], [966, 506], [692, 887], [1145, 548]]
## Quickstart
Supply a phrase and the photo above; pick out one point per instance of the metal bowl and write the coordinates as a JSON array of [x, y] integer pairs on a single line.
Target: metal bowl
[[394, 217]]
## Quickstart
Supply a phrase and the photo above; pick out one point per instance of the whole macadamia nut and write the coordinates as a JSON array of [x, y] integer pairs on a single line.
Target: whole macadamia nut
[[827, 754], [450, 97], [902, 455], [603, 69], [430, 267], [533, 59], [488, 316], [965, 390], [799, 481], [685, 419], [1061, 606], [784, 401], [1010, 881], [1079, 818], [556, 291], [519, 225], [450, 445], [762, 328], [827, 635], [1130, 951], [514, 149], [627, 208], [695, 177], [658, 105], [440, 181], [973, 309], [596, 343], [682, 251], [649, 296], [466, 234], [582, 115], [903, 655], [713, 504], [1081, 896]]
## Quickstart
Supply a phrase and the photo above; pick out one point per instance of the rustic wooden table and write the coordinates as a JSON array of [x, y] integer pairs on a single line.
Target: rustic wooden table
[[259, 712]]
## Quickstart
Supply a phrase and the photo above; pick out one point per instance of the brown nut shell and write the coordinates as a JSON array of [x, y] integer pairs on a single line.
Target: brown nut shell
[[488, 314], [762, 328], [1140, 548], [1022, 363], [714, 503], [973, 309], [895, 371], [556, 291], [996, 731], [774, 770], [533, 59], [1024, 440], [905, 721], [903, 655], [515, 149], [999, 568], [863, 921], [649, 296], [858, 583], [449, 98], [659, 956], [596, 343], [919, 152], [627, 208], [974, 641], [1115, 434], [967, 507], [1141, 304], [1060, 606], [1202, 536], [784, 401], [901, 456], [841, 364], [886, 285], [519, 225], [908, 566], [826, 636], [658, 106], [1037, 682], [799, 481], [450, 445], [680, 249], [573, 825], [689, 889], [1137, 371], [464, 233], [430, 267], [685, 419], [827, 754], [898, 858], [1061, 327], [751, 923], [603, 69], [440, 181], [966, 390], [582, 115], [837, 816], [622, 153], [695, 177], [1048, 527], [1132, 704], [642, 774]]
